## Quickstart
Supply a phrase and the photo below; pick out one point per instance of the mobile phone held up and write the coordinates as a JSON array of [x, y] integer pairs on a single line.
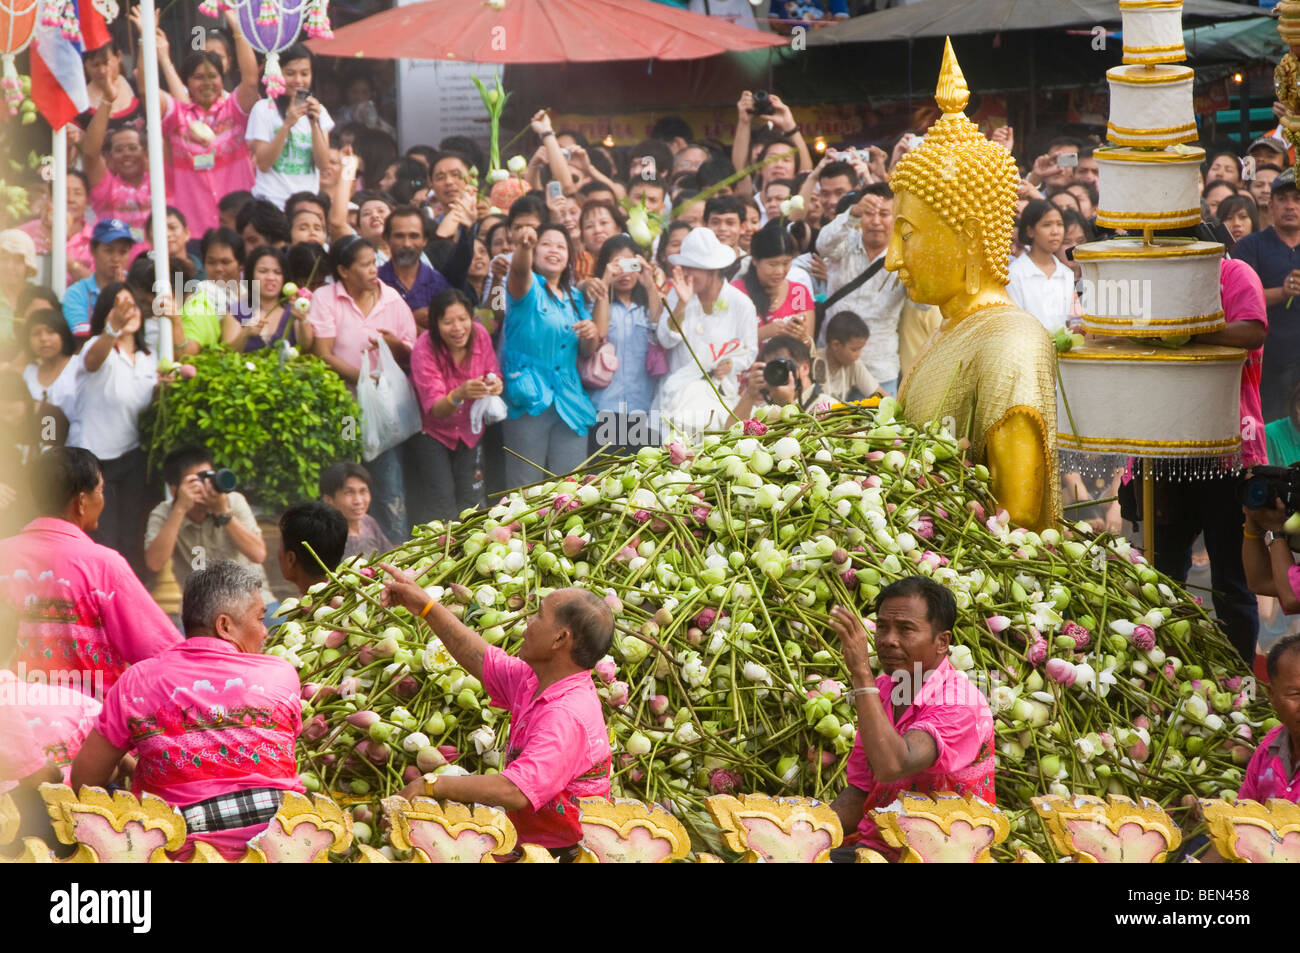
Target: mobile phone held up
[[554, 190], [300, 95], [1068, 160]]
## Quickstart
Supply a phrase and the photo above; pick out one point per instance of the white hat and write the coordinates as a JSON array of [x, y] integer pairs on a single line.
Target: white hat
[[701, 249], [17, 242]]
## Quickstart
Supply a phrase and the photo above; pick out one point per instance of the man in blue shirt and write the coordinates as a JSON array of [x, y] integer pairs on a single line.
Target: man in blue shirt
[[404, 272], [1274, 253], [110, 247]]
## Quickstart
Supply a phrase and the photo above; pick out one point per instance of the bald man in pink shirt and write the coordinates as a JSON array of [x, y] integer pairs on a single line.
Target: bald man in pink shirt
[[558, 749]]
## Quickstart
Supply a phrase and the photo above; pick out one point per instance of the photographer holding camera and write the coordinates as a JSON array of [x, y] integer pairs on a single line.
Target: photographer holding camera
[[782, 375], [206, 520], [1270, 495]]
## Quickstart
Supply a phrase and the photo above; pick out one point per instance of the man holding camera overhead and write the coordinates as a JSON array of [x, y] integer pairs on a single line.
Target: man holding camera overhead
[[204, 521]]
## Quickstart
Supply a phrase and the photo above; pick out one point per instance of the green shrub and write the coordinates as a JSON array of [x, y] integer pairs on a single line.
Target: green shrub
[[276, 423]]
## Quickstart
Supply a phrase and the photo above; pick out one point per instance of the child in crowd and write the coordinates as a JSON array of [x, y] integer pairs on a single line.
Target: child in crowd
[[847, 378], [346, 487]]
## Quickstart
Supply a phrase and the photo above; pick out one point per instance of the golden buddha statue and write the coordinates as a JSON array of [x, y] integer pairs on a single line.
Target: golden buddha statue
[[989, 371]]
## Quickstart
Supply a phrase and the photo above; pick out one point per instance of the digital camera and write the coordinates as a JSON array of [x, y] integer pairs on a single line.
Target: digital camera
[[223, 480], [763, 103], [1261, 487], [778, 371]]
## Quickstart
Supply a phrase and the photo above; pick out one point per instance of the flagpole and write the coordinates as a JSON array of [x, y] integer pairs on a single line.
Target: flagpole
[[157, 183], [59, 224]]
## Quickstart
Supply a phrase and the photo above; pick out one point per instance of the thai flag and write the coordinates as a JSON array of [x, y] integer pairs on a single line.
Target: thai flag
[[58, 82]]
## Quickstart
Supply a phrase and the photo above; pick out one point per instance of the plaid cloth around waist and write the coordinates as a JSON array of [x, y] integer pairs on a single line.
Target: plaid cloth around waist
[[237, 809]]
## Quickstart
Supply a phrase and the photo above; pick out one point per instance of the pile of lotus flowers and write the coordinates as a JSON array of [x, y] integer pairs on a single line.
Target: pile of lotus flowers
[[721, 561]]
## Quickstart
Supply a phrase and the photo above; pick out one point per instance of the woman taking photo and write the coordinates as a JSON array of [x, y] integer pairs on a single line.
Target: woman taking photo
[[452, 366], [634, 309], [120, 379], [784, 306], [548, 327], [289, 135], [205, 136], [348, 318], [1040, 282]]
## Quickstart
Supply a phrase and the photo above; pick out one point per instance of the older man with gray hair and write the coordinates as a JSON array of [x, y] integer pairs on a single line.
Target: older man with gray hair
[[212, 721], [558, 750]]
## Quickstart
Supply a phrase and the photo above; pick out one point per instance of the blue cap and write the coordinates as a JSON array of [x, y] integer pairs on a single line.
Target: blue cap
[[110, 230]]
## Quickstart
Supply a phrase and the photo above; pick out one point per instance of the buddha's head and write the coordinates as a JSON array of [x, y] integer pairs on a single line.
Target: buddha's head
[[954, 203]]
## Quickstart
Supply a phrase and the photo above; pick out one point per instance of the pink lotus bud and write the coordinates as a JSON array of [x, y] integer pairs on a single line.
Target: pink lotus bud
[[627, 553], [755, 428], [367, 571], [1240, 701], [830, 688], [658, 705], [891, 507], [561, 501], [677, 453], [827, 757], [335, 639], [1143, 722], [1059, 670], [316, 729], [1144, 638], [363, 719], [1107, 741], [461, 593], [875, 456], [349, 686], [309, 690], [408, 687], [501, 534], [932, 559], [377, 753], [840, 556], [1003, 517], [1077, 632], [939, 511], [1233, 684], [1139, 752], [572, 545], [636, 775], [614, 602], [450, 752], [1169, 672], [366, 655], [706, 618], [700, 514], [1037, 653], [641, 516], [1244, 732], [997, 623], [1198, 600], [924, 527], [873, 482], [606, 670], [335, 603], [850, 578], [694, 635], [722, 781], [618, 694], [625, 759], [1241, 754], [869, 624]]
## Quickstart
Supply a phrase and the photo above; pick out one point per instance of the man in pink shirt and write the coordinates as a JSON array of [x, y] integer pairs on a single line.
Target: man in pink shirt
[[558, 749], [922, 725], [1208, 505], [212, 721], [1274, 769], [81, 610]]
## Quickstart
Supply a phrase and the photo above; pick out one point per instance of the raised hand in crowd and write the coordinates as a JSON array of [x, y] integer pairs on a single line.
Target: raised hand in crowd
[[1004, 136], [596, 288]]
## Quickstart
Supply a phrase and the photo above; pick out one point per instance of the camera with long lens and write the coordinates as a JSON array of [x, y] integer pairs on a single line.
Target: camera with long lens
[[1262, 486], [223, 480], [763, 103], [778, 371]]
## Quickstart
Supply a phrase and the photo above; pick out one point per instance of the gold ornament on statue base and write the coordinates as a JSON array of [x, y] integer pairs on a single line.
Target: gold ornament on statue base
[[1286, 78], [989, 372]]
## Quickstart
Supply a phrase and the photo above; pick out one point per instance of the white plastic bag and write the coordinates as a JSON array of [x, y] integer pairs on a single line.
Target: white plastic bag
[[390, 412], [486, 410]]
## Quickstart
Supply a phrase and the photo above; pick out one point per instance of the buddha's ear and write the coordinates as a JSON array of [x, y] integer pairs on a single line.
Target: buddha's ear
[[972, 230]]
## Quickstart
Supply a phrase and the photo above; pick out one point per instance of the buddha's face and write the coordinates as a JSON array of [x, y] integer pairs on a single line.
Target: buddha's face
[[925, 251]]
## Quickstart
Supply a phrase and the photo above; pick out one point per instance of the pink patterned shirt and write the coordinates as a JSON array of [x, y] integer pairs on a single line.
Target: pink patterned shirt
[[1272, 772], [80, 607], [114, 197], [434, 377], [198, 173], [558, 749], [40, 722], [206, 719], [950, 709]]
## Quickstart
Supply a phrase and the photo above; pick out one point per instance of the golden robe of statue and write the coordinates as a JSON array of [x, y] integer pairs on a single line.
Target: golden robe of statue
[[989, 371]]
